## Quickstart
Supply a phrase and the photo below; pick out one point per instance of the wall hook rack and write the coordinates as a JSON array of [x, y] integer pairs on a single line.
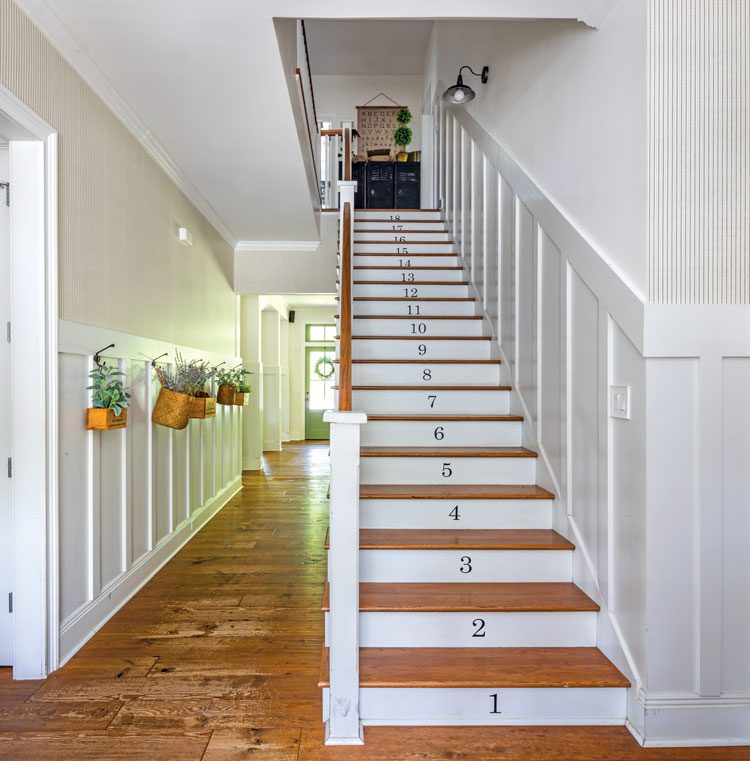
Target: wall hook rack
[[97, 355], [156, 359]]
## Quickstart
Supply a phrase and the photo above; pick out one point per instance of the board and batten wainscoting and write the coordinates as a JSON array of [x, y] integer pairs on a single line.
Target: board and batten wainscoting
[[129, 499], [653, 498]]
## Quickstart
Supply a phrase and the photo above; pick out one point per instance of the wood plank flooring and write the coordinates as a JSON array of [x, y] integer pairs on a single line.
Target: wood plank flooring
[[217, 659]]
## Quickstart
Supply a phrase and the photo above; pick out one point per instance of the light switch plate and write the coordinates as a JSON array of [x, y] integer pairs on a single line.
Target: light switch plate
[[619, 402]]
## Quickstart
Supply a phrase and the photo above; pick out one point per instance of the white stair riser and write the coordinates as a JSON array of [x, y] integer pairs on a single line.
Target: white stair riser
[[424, 348], [439, 566], [396, 215], [414, 308], [394, 247], [384, 374], [404, 260], [395, 226], [440, 513], [401, 236], [448, 470], [468, 402], [436, 706], [478, 629], [417, 327], [404, 290], [455, 433], [405, 275]]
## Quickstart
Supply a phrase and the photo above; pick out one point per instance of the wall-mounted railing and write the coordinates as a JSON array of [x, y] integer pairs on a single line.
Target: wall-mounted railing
[[307, 97], [343, 726]]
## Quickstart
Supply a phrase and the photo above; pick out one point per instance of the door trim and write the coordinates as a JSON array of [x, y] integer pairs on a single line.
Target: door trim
[[34, 314]]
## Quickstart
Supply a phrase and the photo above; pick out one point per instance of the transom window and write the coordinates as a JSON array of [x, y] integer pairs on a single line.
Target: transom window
[[320, 333]]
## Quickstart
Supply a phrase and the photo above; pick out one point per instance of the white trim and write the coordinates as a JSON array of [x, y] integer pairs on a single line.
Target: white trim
[[251, 246], [33, 153], [597, 12], [90, 618], [74, 51]]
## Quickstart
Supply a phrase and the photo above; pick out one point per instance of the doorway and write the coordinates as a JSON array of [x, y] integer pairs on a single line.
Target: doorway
[[320, 352], [6, 447]]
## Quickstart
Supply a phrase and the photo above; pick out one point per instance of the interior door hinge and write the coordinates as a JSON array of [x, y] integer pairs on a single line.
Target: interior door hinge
[[10, 467], [6, 186], [10, 602]]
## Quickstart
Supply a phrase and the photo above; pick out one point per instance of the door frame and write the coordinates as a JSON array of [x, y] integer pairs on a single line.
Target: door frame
[[34, 316], [308, 347]]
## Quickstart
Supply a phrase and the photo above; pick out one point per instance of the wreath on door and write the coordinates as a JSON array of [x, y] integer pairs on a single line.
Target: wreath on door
[[324, 368]]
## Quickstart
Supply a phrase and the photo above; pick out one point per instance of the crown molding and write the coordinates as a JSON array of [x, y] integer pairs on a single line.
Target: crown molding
[[74, 52], [250, 246]]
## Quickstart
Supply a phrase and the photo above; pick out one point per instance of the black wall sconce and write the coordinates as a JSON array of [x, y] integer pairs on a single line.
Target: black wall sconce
[[460, 93]]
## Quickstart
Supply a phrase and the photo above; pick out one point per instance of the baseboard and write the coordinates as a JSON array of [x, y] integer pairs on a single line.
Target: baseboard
[[88, 619], [271, 446], [252, 463], [686, 720]]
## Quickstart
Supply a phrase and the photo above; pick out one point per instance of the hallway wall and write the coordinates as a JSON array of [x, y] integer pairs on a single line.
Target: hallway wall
[[338, 96], [570, 105], [121, 265]]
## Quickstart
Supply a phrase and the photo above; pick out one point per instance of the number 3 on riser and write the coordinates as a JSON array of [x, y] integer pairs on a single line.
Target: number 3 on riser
[[465, 566]]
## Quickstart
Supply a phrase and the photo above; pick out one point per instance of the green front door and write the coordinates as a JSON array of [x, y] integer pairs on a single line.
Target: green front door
[[319, 382]]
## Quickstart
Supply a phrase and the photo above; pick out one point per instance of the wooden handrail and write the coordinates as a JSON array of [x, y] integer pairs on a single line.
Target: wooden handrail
[[345, 326], [309, 71], [330, 132], [307, 124]]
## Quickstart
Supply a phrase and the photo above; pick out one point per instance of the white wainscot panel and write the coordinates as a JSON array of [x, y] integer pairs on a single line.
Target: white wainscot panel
[[129, 499]]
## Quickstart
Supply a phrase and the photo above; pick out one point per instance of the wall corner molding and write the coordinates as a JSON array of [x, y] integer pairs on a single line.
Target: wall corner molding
[[267, 246], [74, 52]]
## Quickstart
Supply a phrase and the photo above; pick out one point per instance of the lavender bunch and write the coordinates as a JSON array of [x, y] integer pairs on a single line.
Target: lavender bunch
[[188, 378]]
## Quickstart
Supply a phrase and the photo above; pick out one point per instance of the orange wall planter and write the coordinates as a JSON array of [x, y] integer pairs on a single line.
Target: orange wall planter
[[99, 419], [203, 407], [241, 399], [225, 395]]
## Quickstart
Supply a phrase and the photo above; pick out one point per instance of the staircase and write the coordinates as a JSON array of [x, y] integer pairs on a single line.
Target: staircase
[[467, 610]]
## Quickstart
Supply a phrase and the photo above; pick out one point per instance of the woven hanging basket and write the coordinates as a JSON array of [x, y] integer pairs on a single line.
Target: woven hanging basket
[[172, 409], [225, 394]]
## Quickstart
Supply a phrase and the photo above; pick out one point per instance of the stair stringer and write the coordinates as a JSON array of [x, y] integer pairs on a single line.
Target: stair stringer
[[610, 639]]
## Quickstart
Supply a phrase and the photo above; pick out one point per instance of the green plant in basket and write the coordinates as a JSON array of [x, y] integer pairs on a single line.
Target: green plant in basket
[[240, 382], [226, 377], [108, 392]]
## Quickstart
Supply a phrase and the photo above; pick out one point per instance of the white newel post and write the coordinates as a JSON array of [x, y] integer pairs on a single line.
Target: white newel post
[[343, 726], [346, 194]]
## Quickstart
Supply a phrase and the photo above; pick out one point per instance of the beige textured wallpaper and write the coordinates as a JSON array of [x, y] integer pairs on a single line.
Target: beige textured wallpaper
[[121, 266], [699, 153]]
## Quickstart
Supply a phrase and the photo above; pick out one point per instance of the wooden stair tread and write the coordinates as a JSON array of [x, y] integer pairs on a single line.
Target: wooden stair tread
[[494, 667], [405, 242], [461, 539], [419, 338], [430, 388], [500, 597], [373, 267], [415, 298], [456, 452], [425, 361], [409, 284], [391, 253], [453, 491], [419, 317], [457, 417]]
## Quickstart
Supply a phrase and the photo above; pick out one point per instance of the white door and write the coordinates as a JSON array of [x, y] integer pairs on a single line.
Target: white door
[[6, 547]]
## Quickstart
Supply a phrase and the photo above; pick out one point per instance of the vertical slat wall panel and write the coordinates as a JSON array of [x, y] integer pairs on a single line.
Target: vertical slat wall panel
[[699, 151], [129, 498]]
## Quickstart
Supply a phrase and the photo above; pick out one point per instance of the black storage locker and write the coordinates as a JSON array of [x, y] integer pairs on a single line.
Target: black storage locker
[[359, 174], [407, 194], [380, 185]]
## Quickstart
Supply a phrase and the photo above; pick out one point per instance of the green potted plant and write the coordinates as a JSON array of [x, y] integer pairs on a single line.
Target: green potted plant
[[403, 134], [109, 397], [241, 397], [226, 378]]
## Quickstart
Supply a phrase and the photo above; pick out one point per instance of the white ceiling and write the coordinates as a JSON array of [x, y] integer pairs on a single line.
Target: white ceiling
[[357, 47]]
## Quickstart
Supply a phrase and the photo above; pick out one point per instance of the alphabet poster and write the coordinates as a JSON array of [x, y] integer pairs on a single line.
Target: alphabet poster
[[376, 125]]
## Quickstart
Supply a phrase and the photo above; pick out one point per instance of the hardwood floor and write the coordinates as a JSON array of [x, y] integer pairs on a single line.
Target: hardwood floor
[[217, 659]]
